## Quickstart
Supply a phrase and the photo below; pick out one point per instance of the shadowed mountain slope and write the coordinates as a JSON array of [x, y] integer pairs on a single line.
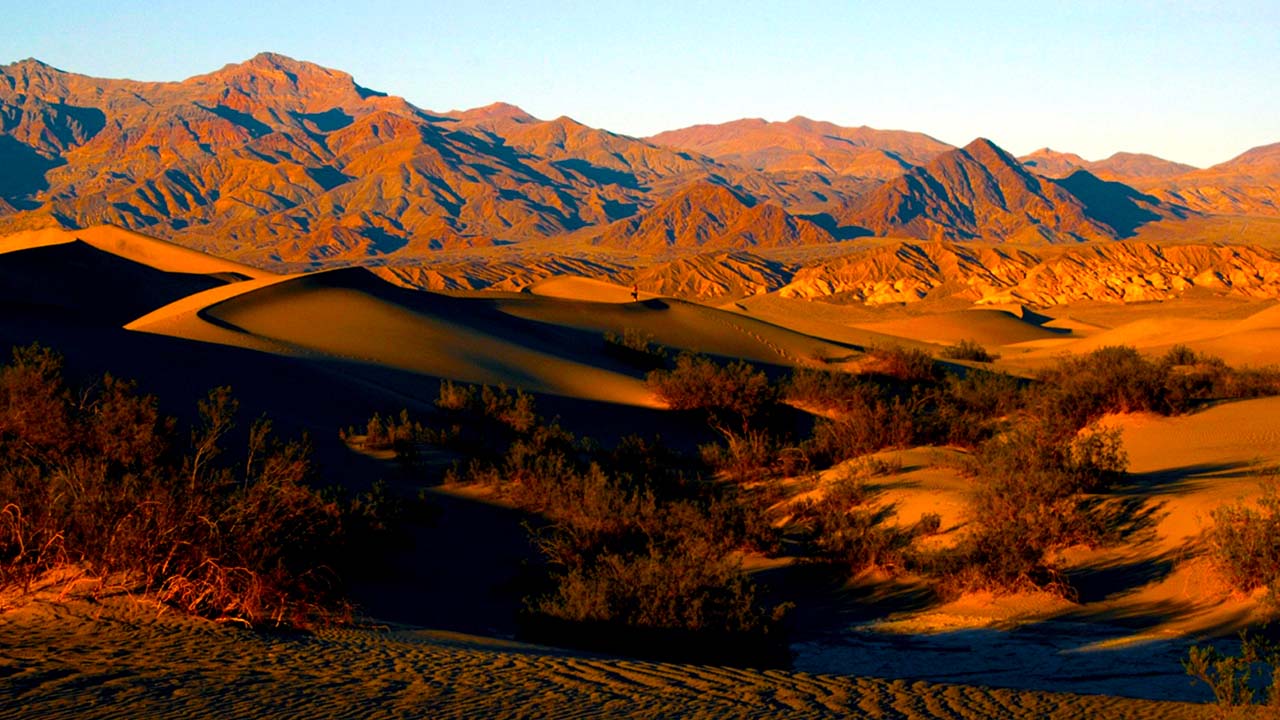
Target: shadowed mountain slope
[[982, 192]]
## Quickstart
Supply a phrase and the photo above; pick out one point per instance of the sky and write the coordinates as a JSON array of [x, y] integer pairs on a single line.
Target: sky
[[1196, 82]]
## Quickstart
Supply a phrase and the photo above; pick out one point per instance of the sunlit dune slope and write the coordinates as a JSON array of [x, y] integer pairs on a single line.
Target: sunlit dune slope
[[129, 245], [1253, 340], [568, 287], [352, 315], [681, 325], [987, 327]]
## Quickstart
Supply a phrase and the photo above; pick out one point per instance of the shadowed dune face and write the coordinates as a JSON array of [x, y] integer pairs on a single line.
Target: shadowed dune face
[[88, 283]]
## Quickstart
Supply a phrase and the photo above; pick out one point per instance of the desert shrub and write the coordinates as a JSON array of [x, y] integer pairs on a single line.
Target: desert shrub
[[929, 524], [637, 348], [1028, 504], [861, 428], [744, 457], [456, 396], [1118, 379], [846, 528], [968, 350], [95, 477], [399, 433], [986, 394], [735, 393], [1114, 379], [1244, 542], [1235, 679], [966, 411], [622, 556], [1242, 383], [831, 391], [478, 421], [910, 365]]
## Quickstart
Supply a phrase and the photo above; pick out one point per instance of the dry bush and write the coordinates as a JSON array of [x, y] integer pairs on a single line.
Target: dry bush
[[744, 457], [1244, 542], [96, 477], [1029, 504], [970, 350], [700, 383], [909, 365], [831, 391], [847, 528], [861, 428], [637, 348], [1118, 379]]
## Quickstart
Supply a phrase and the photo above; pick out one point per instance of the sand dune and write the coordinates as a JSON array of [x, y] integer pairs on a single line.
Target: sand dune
[[543, 344], [683, 325], [80, 659], [569, 287], [137, 247], [1251, 340], [75, 279], [1139, 606], [987, 327]]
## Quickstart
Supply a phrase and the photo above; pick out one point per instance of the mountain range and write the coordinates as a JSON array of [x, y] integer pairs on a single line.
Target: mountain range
[[282, 163]]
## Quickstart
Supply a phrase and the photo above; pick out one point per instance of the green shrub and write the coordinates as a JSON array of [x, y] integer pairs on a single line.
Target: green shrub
[[1232, 677]]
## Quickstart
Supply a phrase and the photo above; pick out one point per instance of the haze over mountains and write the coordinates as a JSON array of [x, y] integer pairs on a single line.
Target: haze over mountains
[[283, 163]]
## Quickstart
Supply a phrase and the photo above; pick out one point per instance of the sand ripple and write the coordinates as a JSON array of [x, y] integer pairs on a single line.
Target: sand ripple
[[118, 660]]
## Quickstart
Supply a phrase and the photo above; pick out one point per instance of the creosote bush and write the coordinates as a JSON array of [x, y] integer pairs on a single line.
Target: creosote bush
[[1244, 542], [1236, 679], [848, 529], [1029, 503], [630, 539], [970, 350], [735, 393], [94, 477]]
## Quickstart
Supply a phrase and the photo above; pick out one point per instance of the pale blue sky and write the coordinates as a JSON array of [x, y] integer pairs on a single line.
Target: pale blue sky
[[1197, 82]]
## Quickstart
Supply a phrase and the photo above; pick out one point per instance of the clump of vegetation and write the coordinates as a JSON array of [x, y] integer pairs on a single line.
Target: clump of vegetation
[[1118, 379], [641, 541], [847, 528], [970, 350], [96, 478], [1244, 542], [1029, 503], [631, 541], [734, 394], [1237, 679], [637, 348], [910, 365]]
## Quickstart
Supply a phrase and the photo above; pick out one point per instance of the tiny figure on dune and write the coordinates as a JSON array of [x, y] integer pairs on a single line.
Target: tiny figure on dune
[[635, 293]]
